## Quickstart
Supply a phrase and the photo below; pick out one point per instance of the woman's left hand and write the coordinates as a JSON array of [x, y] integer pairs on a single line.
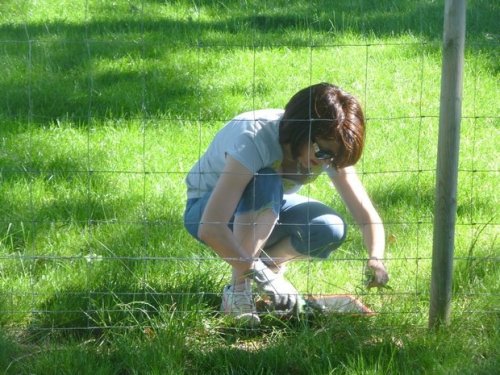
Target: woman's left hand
[[376, 273]]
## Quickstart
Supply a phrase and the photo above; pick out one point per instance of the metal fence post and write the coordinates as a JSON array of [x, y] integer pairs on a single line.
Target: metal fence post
[[447, 162]]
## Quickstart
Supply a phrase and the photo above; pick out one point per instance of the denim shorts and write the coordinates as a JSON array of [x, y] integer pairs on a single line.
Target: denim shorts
[[315, 229]]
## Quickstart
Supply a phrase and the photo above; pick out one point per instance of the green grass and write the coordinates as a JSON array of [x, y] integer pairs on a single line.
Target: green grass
[[105, 106]]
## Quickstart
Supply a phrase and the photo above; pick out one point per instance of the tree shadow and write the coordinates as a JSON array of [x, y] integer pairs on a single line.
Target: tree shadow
[[128, 65], [113, 303], [332, 342], [116, 283]]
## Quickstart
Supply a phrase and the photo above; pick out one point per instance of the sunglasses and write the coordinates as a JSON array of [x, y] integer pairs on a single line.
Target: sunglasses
[[323, 154]]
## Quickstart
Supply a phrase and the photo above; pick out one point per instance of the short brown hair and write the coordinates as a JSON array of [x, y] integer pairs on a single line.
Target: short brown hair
[[328, 112]]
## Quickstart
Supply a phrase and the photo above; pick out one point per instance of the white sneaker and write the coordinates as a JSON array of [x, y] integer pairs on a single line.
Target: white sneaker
[[240, 305]]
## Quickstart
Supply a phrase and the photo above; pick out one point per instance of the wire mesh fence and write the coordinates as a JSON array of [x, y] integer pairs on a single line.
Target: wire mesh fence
[[106, 105]]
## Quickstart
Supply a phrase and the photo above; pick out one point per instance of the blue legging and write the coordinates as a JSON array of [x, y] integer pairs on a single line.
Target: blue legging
[[314, 229]]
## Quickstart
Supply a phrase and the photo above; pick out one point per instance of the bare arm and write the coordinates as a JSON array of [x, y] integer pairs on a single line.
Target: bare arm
[[213, 229], [366, 216]]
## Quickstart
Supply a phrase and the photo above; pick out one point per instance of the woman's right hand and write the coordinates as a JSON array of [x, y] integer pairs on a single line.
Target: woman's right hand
[[376, 273], [283, 294]]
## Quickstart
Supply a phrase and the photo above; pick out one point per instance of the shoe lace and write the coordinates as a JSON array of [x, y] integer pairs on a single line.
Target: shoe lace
[[243, 301]]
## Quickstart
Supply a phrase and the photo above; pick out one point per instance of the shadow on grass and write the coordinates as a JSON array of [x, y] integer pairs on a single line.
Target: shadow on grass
[[353, 345], [120, 286], [336, 344], [117, 304], [128, 64], [312, 347]]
